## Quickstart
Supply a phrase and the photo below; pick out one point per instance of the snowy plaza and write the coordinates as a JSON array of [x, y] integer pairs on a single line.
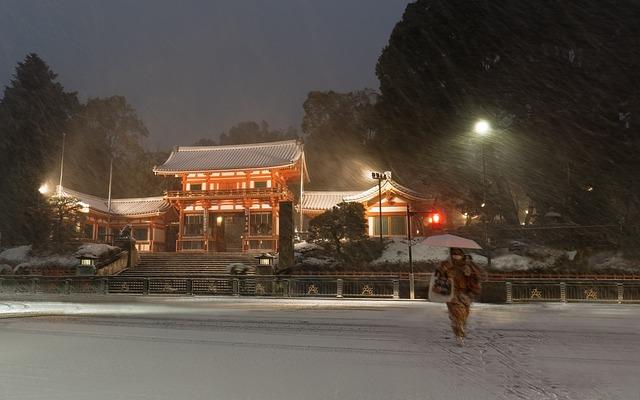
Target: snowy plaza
[[229, 348]]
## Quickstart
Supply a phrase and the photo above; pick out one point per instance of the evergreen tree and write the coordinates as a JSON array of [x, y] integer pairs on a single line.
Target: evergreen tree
[[34, 112], [104, 129], [558, 81], [339, 128], [65, 219], [344, 222]]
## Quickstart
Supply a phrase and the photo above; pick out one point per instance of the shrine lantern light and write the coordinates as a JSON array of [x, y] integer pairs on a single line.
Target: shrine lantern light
[[434, 220]]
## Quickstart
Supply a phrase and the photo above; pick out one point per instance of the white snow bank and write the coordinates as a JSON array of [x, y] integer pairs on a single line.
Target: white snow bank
[[96, 250], [49, 261], [16, 255], [397, 251], [306, 246], [612, 260]]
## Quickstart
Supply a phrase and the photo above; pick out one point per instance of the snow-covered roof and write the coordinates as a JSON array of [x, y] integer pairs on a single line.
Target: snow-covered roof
[[387, 185], [131, 207], [323, 200], [232, 157]]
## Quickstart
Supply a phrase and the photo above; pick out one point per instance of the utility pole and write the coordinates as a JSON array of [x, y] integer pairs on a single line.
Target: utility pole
[[61, 165]]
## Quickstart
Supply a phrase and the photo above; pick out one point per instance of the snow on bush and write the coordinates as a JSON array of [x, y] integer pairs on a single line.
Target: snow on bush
[[612, 260], [16, 255], [397, 251], [96, 250]]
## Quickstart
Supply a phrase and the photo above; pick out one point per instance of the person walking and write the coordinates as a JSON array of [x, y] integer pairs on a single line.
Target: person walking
[[466, 277]]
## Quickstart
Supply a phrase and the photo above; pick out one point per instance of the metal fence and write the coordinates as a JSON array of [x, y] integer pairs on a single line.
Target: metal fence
[[600, 291], [229, 285], [338, 286]]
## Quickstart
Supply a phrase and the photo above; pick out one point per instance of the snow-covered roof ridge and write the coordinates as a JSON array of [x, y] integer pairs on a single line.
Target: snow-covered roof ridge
[[323, 200], [388, 185], [136, 206], [232, 157], [235, 146]]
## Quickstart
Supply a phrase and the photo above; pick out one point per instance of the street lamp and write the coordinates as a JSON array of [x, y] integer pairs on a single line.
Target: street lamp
[[483, 128], [380, 176]]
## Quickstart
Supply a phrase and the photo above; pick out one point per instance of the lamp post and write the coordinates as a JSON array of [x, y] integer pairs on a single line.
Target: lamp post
[[380, 176], [483, 129], [411, 276], [61, 166]]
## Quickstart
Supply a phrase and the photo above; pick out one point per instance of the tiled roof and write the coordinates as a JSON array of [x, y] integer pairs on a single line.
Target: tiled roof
[[133, 207], [232, 157], [321, 200], [387, 185], [324, 200]]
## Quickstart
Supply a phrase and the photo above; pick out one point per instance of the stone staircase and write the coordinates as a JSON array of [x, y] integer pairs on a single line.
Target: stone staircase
[[186, 264]]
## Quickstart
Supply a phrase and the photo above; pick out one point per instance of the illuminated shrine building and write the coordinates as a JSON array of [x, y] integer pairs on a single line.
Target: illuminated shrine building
[[229, 201]]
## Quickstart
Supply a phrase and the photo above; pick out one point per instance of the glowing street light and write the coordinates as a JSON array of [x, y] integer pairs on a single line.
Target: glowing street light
[[44, 188], [482, 127]]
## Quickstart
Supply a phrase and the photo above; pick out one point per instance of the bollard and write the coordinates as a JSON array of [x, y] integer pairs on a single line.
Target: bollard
[[236, 287], [104, 286], [67, 286], [339, 288], [412, 286], [563, 292], [509, 287], [145, 286], [190, 287], [396, 288], [620, 288]]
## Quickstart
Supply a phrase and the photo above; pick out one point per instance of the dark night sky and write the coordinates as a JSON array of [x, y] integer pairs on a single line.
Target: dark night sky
[[193, 69]]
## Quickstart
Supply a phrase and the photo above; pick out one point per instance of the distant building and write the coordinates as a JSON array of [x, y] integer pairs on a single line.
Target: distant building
[[230, 194], [149, 218], [229, 202], [395, 199]]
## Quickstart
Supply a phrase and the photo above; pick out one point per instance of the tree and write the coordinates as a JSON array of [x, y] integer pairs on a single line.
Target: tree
[[344, 222], [559, 82], [252, 132], [34, 112], [339, 128], [65, 219], [106, 129]]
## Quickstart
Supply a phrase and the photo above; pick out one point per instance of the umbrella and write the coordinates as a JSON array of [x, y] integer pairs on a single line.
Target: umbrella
[[451, 241]]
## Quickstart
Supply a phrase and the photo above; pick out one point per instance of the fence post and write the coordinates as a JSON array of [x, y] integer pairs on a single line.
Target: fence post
[[1, 282], [145, 286], [396, 288], [563, 292], [105, 286], [190, 287], [339, 287], [67, 286], [620, 288], [235, 284], [412, 286], [34, 285], [509, 287]]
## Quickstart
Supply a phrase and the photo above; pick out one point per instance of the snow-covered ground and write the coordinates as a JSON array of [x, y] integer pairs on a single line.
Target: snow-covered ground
[[223, 348]]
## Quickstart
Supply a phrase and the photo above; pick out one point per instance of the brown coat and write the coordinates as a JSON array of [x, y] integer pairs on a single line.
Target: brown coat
[[465, 274]]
